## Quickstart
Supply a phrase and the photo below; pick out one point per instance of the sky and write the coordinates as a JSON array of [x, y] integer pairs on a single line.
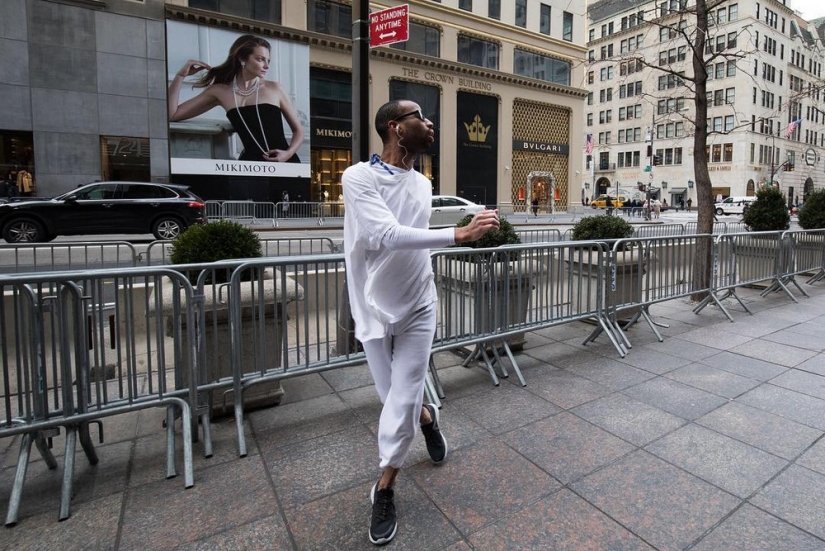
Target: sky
[[810, 9]]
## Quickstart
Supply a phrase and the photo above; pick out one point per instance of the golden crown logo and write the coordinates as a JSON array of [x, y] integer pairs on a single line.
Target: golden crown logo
[[477, 132]]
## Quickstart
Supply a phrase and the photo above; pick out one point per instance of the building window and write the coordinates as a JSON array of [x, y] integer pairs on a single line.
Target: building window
[[16, 162], [465, 5], [544, 19], [521, 13], [125, 159], [329, 18], [567, 27], [494, 9], [261, 10], [532, 65], [727, 155], [424, 39], [477, 52]]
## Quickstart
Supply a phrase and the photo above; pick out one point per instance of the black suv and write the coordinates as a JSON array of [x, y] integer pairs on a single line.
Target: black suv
[[164, 210]]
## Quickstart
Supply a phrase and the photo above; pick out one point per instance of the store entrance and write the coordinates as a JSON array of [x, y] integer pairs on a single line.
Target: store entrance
[[328, 166]]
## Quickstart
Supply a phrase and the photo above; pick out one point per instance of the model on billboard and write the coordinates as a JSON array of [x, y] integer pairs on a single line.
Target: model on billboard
[[256, 107]]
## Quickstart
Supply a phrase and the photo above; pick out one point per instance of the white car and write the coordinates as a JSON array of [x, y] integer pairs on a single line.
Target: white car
[[448, 210], [733, 205]]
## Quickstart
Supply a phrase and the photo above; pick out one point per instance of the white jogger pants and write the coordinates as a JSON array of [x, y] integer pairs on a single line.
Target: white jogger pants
[[398, 363]]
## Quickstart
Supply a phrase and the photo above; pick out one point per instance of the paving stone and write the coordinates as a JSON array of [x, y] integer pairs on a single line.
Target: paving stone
[[564, 388], [634, 421], [814, 458], [234, 496], [304, 387], [266, 533], [796, 496], [566, 446], [750, 529], [504, 408], [611, 373], [784, 355], [674, 397], [308, 470], [655, 500], [303, 420], [93, 525], [715, 337], [348, 377], [683, 349], [791, 337], [786, 403], [733, 466], [744, 366], [757, 326], [472, 495], [561, 521], [560, 354], [802, 381], [763, 430], [653, 360], [814, 365], [462, 381], [713, 380], [328, 523]]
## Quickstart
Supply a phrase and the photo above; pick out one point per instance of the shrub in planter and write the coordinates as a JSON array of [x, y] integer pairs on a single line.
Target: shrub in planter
[[600, 228], [812, 214], [222, 240], [769, 212], [504, 235]]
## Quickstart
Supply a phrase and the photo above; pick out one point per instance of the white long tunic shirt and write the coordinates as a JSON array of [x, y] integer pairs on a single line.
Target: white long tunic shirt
[[386, 245]]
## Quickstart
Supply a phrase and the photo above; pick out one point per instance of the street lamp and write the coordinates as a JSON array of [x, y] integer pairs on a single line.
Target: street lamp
[[690, 184]]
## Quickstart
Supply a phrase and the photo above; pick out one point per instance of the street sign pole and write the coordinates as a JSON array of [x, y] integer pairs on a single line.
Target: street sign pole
[[360, 81]]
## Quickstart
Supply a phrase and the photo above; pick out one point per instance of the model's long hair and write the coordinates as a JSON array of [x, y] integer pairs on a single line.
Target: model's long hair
[[225, 73]]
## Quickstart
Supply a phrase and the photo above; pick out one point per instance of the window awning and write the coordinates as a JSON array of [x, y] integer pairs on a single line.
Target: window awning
[[677, 190]]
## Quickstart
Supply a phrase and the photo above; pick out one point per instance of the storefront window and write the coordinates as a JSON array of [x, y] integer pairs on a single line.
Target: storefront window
[[261, 10], [17, 164], [328, 166], [125, 159]]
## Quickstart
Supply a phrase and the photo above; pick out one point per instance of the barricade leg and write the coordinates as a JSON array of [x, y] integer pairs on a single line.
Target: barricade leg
[[68, 473], [13, 514], [512, 361], [171, 472], [439, 389], [86, 441], [718, 301]]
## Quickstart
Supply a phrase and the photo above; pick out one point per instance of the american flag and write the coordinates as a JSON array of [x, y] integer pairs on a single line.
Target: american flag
[[792, 127], [588, 147]]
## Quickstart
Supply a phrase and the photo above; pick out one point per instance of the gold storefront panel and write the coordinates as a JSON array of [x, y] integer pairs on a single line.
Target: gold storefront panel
[[540, 122]]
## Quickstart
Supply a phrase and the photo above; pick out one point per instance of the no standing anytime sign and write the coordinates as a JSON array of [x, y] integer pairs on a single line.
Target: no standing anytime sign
[[389, 26]]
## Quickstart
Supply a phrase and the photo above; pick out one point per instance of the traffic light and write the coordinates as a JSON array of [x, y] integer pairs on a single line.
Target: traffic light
[[657, 160], [649, 150]]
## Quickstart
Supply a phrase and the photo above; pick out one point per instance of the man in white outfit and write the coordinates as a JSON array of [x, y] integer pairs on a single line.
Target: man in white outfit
[[391, 289]]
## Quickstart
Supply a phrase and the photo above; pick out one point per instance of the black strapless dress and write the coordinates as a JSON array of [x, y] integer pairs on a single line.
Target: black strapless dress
[[273, 124]]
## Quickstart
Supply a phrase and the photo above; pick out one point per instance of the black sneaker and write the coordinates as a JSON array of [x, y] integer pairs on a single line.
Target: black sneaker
[[436, 443], [383, 523]]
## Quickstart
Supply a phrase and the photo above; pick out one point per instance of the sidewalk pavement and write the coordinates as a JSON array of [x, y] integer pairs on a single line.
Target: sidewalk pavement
[[710, 440]]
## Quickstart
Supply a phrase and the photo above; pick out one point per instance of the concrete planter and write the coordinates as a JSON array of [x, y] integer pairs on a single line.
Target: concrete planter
[[472, 301], [628, 281], [217, 342]]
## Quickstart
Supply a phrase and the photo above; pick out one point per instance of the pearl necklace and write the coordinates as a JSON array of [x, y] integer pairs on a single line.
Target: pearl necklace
[[258, 111], [245, 92]]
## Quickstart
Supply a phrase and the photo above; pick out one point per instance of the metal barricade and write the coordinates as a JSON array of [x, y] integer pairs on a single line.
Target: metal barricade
[[158, 252], [49, 257], [739, 259], [242, 212], [539, 235], [803, 253], [644, 231], [214, 211], [81, 346], [643, 272], [285, 318], [691, 228], [307, 212], [264, 214]]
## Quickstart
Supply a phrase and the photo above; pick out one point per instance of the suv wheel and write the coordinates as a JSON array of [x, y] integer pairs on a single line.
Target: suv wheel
[[167, 228], [719, 212], [24, 230]]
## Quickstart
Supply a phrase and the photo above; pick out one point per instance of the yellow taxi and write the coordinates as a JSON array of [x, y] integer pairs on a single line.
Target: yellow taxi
[[600, 202]]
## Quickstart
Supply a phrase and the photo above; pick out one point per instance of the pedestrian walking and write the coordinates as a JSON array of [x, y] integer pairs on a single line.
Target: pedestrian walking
[[386, 245], [689, 203], [535, 206]]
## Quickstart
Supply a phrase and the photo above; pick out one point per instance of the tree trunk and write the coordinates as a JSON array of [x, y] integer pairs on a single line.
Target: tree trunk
[[704, 195]]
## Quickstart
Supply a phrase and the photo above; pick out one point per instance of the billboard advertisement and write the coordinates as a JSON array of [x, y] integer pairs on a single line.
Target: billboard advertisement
[[238, 103]]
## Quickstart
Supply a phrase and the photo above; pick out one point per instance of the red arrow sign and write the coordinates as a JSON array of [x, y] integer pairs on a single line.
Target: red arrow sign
[[390, 26]]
